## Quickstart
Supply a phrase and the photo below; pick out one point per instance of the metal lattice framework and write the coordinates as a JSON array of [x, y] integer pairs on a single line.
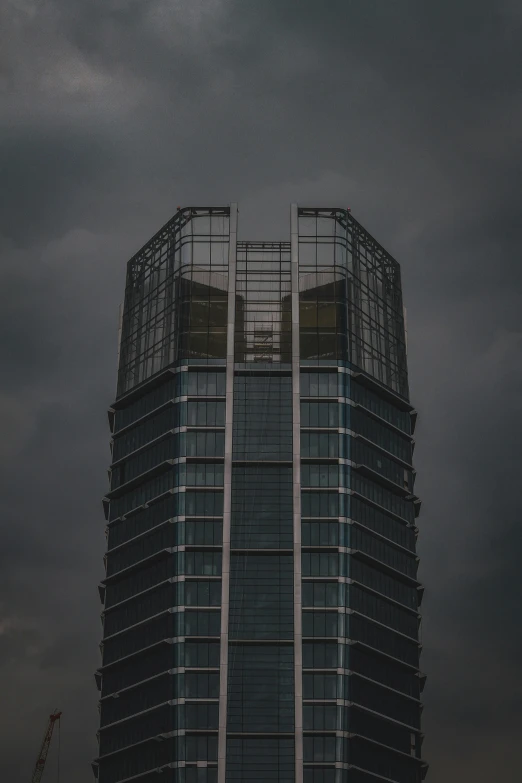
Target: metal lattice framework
[[375, 316], [189, 250]]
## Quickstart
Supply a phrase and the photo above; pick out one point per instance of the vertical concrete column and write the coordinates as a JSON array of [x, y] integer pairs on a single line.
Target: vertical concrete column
[[296, 452], [227, 499]]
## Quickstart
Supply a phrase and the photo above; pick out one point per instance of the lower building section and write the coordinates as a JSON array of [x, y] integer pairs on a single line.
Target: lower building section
[[160, 678]]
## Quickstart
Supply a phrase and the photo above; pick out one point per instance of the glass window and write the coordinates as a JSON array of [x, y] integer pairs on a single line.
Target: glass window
[[262, 419], [384, 701], [162, 537], [321, 594], [201, 747], [137, 759], [385, 498], [374, 459], [142, 697], [384, 639], [203, 504], [383, 670], [261, 596], [382, 523], [320, 564], [320, 504], [148, 402], [135, 730], [202, 623], [378, 405], [320, 533], [203, 532], [125, 529], [206, 384], [144, 635], [383, 611], [202, 685], [203, 593], [203, 563], [205, 444], [319, 444], [320, 623], [319, 475], [319, 717], [319, 748], [165, 449], [202, 654], [201, 716], [139, 579], [384, 762], [168, 418], [380, 434], [157, 660], [380, 729], [319, 384], [320, 775], [319, 686], [143, 493], [147, 605], [205, 474], [319, 414], [320, 655], [206, 414], [260, 759], [381, 550], [200, 774], [383, 583]]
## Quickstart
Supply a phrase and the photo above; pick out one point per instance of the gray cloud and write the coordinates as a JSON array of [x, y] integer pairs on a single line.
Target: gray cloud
[[117, 112]]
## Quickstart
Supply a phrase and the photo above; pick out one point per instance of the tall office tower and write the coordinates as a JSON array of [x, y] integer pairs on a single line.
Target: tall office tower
[[261, 602]]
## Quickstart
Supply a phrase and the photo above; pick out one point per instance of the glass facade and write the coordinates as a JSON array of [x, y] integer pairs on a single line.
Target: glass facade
[[261, 602]]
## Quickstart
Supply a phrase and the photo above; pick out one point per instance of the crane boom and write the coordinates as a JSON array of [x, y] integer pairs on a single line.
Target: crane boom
[[44, 749]]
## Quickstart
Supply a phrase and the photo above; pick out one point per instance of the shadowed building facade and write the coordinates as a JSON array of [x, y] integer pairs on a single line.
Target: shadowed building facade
[[261, 601]]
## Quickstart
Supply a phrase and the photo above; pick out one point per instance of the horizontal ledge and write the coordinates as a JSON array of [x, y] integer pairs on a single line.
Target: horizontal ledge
[[374, 385], [266, 734], [142, 506], [142, 651], [246, 551], [239, 371], [156, 380], [160, 377], [390, 455], [167, 640], [148, 444], [172, 672], [161, 467], [286, 642], [383, 481], [239, 462], [383, 509], [260, 244], [158, 555]]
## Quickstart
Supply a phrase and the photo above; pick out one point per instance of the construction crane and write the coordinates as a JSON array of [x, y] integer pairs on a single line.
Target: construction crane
[[44, 750]]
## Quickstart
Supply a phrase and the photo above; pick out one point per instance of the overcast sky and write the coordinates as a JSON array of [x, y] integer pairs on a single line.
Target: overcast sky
[[113, 112]]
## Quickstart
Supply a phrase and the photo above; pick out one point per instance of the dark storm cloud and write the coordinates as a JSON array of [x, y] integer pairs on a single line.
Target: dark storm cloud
[[115, 112]]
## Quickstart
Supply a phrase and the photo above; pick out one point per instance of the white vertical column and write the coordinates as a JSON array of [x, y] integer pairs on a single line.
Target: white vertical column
[[296, 452], [227, 499]]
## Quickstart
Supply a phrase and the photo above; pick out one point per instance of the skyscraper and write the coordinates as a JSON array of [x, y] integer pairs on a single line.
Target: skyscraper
[[261, 601]]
